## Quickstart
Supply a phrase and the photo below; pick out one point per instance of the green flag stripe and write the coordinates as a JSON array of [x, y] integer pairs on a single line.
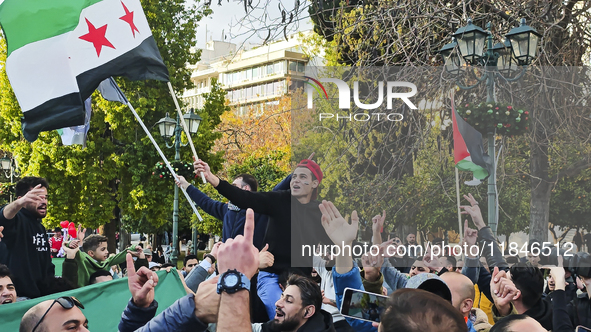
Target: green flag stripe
[[478, 171], [27, 21]]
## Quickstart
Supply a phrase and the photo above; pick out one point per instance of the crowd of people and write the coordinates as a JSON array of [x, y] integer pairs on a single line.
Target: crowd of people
[[258, 279]]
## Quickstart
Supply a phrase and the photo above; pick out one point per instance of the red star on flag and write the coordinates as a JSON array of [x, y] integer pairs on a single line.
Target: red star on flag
[[128, 17], [97, 37]]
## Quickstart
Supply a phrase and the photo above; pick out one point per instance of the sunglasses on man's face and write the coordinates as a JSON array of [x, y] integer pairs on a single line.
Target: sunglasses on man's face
[[67, 302]]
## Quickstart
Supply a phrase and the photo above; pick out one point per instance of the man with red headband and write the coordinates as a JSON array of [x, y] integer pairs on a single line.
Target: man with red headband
[[294, 222]]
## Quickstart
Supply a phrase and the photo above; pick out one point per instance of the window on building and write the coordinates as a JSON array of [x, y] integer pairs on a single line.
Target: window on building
[[249, 92], [270, 69], [248, 74], [255, 72], [278, 66], [301, 67], [293, 65]]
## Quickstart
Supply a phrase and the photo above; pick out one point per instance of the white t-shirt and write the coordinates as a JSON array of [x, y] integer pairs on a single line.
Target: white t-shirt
[[328, 287]]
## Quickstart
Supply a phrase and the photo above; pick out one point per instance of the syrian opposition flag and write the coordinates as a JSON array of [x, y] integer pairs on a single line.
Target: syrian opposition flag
[[60, 50], [468, 150]]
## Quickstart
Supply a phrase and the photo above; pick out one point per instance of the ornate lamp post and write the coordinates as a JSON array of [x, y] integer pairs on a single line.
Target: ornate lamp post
[[498, 61], [170, 128], [9, 167]]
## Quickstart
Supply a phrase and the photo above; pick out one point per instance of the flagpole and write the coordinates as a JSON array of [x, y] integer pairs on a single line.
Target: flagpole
[[458, 199], [164, 158], [178, 108], [124, 100]]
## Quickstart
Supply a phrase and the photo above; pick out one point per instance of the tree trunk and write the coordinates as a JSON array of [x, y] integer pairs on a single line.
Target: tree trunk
[[109, 231], [124, 240], [541, 188], [113, 226]]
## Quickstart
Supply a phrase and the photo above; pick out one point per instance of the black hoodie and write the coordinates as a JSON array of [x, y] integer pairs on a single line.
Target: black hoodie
[[319, 322], [288, 219], [541, 312], [29, 254]]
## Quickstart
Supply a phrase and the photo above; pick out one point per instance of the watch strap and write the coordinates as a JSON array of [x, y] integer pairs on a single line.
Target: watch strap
[[210, 257]]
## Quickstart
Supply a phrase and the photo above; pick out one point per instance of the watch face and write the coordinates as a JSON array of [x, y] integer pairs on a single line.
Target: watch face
[[231, 280]]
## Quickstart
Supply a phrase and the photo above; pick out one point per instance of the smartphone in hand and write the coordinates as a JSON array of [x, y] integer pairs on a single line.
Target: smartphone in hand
[[358, 304]]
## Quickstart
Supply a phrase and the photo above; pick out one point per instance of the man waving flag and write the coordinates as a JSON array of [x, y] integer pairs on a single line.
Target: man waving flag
[[59, 51], [468, 151]]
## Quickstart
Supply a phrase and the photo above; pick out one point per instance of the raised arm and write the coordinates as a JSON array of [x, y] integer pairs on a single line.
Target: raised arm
[[238, 254], [210, 206], [494, 257], [260, 202], [33, 196]]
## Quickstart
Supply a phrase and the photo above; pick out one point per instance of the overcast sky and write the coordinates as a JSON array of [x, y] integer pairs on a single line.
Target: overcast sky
[[225, 17]]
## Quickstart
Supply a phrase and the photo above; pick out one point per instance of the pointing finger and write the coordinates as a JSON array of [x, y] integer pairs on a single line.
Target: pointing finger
[[249, 225], [130, 266]]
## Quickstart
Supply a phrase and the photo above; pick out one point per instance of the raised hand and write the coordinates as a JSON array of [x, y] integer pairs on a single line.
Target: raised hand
[[181, 182], [80, 233], [138, 252], [470, 238], [239, 253], [266, 259], [336, 227], [474, 211], [388, 248], [558, 275], [503, 291], [36, 195], [201, 166], [141, 284], [378, 222], [215, 250], [71, 248], [369, 260]]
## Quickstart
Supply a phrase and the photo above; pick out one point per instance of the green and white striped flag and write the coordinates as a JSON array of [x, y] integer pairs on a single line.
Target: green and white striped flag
[[59, 51]]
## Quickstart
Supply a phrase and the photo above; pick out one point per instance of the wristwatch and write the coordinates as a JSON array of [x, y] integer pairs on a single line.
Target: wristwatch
[[232, 281]]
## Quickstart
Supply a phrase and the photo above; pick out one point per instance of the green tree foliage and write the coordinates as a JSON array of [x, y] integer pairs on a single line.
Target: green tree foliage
[[111, 176]]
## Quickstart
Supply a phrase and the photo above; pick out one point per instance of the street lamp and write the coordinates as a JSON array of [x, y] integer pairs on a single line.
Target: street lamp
[[10, 168], [500, 60], [169, 128]]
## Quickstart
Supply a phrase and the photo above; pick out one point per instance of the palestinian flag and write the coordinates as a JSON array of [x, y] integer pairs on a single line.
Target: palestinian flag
[[468, 149], [59, 51]]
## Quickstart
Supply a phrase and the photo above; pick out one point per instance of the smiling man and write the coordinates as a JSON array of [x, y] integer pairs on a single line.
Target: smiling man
[[294, 223], [298, 309], [7, 290], [29, 257]]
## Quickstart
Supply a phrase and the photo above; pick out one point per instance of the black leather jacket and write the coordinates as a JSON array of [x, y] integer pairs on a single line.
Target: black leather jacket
[[494, 258]]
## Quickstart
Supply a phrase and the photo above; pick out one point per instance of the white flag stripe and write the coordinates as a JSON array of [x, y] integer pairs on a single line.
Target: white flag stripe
[[39, 72], [83, 53]]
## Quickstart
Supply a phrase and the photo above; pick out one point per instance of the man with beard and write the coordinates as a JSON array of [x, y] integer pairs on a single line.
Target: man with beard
[[29, 255], [298, 309]]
